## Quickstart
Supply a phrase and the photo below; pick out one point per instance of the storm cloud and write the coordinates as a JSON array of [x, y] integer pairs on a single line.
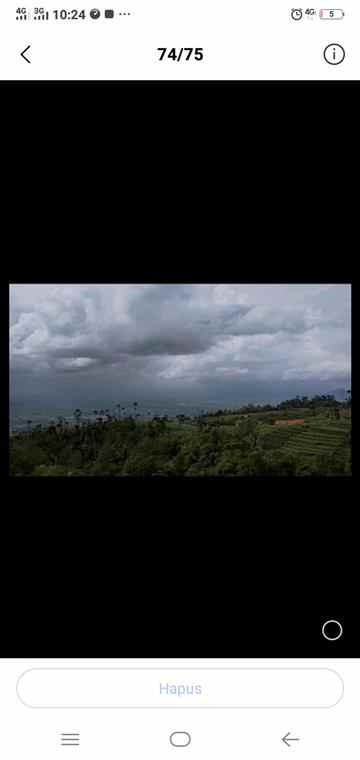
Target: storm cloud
[[205, 341]]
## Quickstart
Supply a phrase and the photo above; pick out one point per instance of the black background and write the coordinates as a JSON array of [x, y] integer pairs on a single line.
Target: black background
[[174, 581], [177, 186], [192, 568]]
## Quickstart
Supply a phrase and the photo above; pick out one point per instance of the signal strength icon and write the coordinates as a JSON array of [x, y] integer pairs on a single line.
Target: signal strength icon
[[22, 14]]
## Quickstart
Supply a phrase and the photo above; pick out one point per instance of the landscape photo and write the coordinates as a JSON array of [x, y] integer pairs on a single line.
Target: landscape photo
[[180, 380]]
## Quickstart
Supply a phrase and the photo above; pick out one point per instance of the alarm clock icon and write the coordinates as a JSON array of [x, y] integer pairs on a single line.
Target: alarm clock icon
[[95, 13], [296, 14]]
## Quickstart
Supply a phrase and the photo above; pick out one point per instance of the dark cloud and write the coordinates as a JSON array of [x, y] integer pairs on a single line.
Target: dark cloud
[[184, 339]]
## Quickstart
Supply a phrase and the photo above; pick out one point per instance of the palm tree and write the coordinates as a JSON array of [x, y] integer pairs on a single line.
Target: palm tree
[[78, 415]]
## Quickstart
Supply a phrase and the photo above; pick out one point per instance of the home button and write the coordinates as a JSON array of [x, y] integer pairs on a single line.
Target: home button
[[180, 739]]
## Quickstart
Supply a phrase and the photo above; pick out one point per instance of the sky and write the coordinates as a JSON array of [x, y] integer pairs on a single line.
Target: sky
[[202, 343]]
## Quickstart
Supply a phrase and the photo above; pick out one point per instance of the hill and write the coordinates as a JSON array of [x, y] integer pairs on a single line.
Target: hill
[[246, 442]]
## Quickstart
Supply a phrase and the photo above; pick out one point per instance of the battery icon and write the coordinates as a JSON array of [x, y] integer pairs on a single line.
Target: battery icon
[[329, 14]]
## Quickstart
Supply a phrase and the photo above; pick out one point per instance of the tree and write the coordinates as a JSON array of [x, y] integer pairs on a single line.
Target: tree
[[250, 431], [25, 456], [78, 415], [329, 464], [254, 464]]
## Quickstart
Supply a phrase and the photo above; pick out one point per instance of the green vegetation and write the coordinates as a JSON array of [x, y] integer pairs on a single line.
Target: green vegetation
[[246, 442]]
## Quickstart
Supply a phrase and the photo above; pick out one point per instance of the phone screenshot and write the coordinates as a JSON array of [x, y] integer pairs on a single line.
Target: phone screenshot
[[180, 40]]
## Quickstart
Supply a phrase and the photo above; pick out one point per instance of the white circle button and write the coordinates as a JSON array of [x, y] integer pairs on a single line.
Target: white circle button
[[332, 630]]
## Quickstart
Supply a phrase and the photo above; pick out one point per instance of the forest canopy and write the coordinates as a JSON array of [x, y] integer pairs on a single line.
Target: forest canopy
[[244, 442]]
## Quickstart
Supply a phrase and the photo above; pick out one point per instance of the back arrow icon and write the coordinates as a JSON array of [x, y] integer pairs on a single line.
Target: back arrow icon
[[286, 739], [23, 54]]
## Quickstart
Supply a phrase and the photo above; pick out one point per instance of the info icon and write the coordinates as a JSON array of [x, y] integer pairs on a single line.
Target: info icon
[[334, 54], [95, 13], [109, 14]]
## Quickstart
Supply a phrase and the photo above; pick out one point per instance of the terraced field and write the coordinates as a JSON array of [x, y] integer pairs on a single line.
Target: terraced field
[[317, 437], [319, 434]]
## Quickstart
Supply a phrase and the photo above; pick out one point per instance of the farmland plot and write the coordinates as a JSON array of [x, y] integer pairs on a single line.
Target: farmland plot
[[318, 438]]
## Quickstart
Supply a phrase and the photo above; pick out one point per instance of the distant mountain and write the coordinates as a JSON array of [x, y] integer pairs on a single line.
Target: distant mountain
[[339, 393]]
